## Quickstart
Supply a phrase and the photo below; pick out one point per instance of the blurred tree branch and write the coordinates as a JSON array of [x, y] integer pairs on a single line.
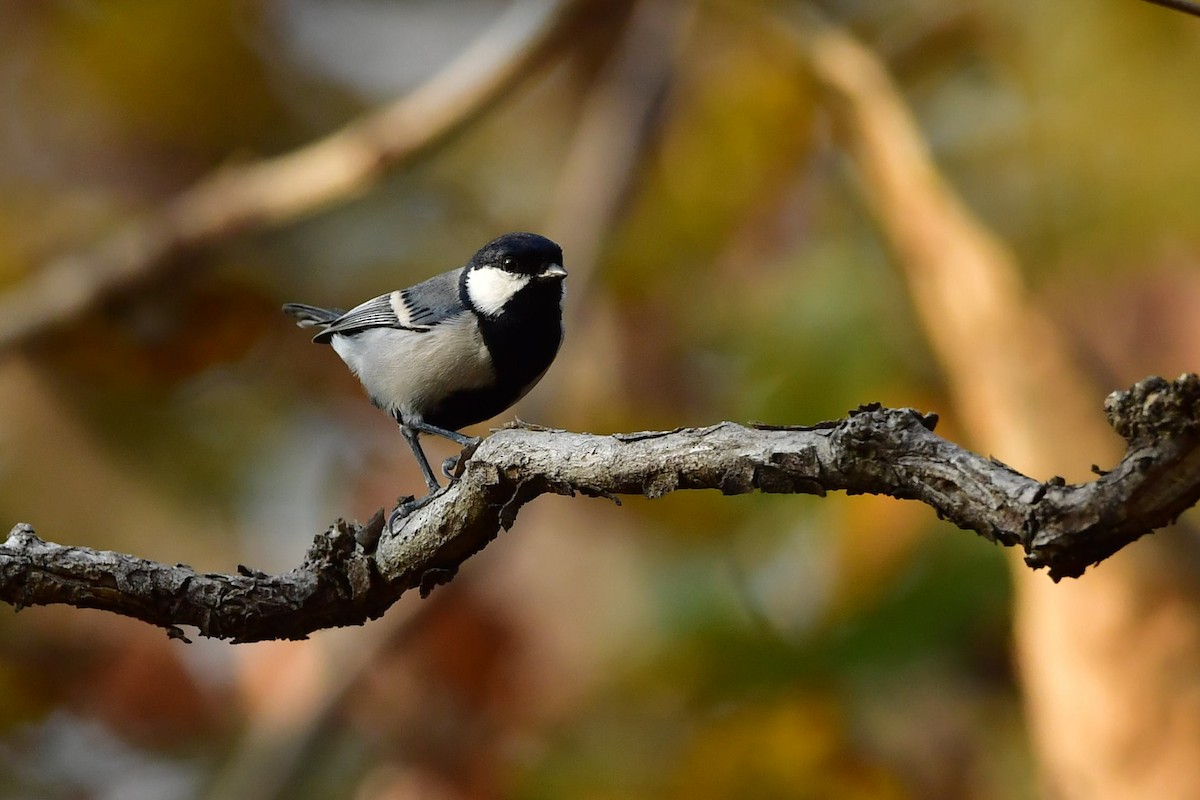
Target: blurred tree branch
[[1020, 387], [1186, 6], [620, 117], [354, 573], [283, 188]]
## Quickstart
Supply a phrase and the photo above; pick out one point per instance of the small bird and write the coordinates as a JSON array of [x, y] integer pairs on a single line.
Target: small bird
[[457, 348]]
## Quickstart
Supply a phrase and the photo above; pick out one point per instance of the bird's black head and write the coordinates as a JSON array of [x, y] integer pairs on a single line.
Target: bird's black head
[[521, 253], [509, 265]]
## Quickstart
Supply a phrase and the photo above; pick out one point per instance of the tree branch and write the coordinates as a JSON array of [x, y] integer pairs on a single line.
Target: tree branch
[[354, 573], [273, 191], [1186, 6]]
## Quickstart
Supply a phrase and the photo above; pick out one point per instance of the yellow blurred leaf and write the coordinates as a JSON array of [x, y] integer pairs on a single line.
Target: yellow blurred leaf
[[792, 748]]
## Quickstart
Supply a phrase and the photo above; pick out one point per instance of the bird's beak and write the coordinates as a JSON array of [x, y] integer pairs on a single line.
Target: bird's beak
[[553, 272]]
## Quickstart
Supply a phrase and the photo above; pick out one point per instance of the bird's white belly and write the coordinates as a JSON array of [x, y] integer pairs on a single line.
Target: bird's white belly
[[412, 371]]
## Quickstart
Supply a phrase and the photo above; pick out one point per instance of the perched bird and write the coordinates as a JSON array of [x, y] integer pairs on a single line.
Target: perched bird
[[457, 348]]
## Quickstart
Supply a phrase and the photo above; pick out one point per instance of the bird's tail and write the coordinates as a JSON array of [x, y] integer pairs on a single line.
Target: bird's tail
[[310, 316]]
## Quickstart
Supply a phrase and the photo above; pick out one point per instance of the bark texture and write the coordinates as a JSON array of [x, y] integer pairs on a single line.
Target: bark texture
[[353, 573]]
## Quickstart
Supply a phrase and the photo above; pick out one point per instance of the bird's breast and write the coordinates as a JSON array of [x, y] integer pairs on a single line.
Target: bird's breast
[[412, 372], [524, 342]]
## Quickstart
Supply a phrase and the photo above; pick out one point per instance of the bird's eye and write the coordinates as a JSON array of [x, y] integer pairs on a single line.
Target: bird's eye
[[509, 262]]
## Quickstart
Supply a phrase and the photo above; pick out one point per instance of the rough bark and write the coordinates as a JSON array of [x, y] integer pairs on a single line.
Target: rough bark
[[353, 573]]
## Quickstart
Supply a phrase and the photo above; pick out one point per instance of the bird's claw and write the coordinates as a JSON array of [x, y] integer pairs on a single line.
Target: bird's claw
[[406, 507], [453, 466], [399, 512], [408, 504]]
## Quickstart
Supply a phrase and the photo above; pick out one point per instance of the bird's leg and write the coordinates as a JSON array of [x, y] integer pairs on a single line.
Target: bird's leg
[[411, 434], [450, 465], [454, 436], [406, 508]]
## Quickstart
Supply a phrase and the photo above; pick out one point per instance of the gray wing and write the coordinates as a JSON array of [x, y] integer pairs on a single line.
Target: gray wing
[[434, 300], [417, 308]]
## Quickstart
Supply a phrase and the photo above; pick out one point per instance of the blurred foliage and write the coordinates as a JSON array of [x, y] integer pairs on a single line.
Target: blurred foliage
[[159, 71], [696, 646]]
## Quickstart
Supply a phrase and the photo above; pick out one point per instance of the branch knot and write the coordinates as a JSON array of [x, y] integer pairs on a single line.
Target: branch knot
[[1155, 408]]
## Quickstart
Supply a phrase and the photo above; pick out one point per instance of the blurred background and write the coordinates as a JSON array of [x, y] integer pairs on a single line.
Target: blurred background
[[770, 211]]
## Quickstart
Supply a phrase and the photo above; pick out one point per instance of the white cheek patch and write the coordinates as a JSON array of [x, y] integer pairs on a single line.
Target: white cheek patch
[[490, 288]]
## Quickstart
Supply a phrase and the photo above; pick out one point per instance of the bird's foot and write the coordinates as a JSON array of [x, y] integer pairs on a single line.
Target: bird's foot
[[453, 466], [408, 504], [403, 509]]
